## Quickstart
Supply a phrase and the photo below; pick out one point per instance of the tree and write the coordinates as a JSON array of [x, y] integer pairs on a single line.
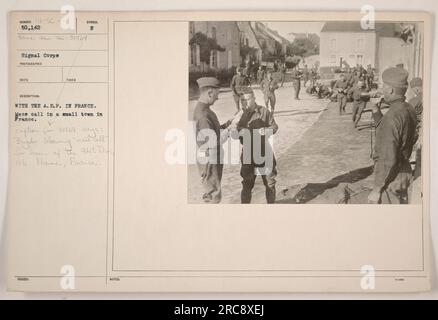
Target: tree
[[302, 47], [247, 51], [206, 45]]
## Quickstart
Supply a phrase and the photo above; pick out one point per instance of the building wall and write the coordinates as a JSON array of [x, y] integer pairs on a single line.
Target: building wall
[[352, 47], [248, 36], [227, 36], [392, 51]]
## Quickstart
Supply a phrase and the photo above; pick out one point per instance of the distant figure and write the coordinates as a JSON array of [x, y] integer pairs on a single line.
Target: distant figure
[[305, 75], [296, 80], [360, 99], [340, 88], [417, 103], [237, 83], [260, 75], [268, 87], [369, 77], [283, 72]]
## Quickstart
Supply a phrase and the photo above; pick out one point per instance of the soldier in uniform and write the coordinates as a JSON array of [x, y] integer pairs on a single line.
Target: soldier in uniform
[[360, 98], [340, 88], [369, 77], [211, 166], [256, 120], [417, 103], [296, 81], [268, 87], [260, 75], [237, 83], [305, 75], [283, 70], [395, 137]]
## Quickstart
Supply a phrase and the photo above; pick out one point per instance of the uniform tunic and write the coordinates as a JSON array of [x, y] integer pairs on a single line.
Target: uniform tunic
[[210, 170], [268, 88], [296, 78], [395, 134], [341, 88], [252, 120]]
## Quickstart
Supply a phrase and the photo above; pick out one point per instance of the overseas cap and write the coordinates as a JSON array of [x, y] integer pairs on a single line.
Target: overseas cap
[[395, 77], [208, 82]]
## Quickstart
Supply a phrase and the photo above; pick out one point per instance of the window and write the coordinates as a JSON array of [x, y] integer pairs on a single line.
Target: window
[[359, 44], [359, 59], [213, 32], [332, 59], [333, 44], [213, 59]]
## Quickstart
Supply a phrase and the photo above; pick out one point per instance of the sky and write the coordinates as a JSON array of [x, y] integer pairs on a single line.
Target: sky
[[284, 28]]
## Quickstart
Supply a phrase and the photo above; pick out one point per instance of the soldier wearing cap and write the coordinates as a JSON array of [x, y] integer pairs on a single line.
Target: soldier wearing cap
[[341, 87], [210, 153], [395, 137], [238, 82], [268, 87], [254, 126], [417, 103]]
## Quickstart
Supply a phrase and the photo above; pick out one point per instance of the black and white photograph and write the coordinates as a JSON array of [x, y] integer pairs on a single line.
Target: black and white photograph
[[309, 112]]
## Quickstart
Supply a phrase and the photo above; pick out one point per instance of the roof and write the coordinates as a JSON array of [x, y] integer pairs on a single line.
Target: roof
[[384, 29], [343, 26]]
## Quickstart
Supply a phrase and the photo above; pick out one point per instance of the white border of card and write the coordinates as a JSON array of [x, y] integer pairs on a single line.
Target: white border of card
[[115, 216]]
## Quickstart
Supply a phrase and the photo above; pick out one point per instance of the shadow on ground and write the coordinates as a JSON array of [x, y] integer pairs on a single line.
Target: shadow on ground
[[304, 193]]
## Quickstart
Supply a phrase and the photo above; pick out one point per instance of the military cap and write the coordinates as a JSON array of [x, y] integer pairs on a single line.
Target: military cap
[[208, 82], [400, 65], [395, 77], [416, 82]]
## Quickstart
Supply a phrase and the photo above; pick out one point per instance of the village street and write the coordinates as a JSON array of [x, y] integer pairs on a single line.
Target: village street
[[313, 145]]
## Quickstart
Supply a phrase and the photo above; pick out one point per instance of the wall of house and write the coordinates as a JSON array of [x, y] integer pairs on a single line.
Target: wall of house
[[227, 36], [249, 36], [352, 47], [392, 51]]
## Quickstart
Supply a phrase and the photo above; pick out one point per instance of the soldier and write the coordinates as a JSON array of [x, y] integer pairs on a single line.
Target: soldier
[[355, 78], [260, 75], [369, 77], [211, 167], [360, 99], [348, 75], [417, 103], [340, 88], [268, 87], [283, 70], [395, 137], [256, 120], [305, 75], [237, 83], [296, 81]]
